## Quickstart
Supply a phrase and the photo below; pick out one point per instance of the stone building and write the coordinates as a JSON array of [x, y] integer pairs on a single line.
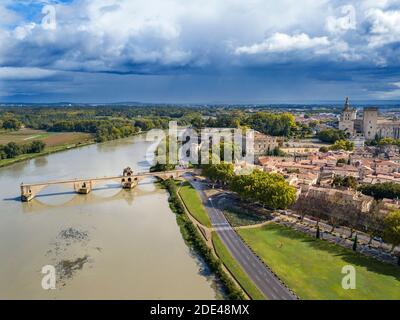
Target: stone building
[[264, 144], [369, 125], [347, 118]]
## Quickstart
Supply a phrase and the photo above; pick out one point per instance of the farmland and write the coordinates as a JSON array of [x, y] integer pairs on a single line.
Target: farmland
[[55, 141], [51, 139]]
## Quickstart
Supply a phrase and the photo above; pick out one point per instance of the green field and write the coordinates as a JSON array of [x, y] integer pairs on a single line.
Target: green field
[[312, 267], [194, 205], [26, 135], [238, 273], [55, 142], [23, 135]]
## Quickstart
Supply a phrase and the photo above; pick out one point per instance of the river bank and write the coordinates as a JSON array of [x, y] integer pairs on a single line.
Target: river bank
[[193, 238], [46, 152], [55, 149]]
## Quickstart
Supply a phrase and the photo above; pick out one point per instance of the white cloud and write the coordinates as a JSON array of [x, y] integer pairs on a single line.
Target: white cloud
[[343, 23], [281, 42], [126, 35], [21, 32], [385, 26], [9, 73]]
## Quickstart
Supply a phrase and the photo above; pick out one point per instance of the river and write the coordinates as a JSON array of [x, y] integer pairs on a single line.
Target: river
[[109, 244]]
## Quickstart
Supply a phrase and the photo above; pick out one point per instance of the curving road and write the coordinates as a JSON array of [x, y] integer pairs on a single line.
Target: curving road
[[268, 284]]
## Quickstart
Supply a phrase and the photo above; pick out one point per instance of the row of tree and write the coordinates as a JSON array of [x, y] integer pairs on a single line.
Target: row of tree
[[345, 145], [103, 130], [12, 149], [268, 189], [377, 141], [388, 190], [373, 222], [331, 135], [274, 124]]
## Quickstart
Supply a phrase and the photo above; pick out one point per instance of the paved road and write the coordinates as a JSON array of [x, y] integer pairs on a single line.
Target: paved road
[[268, 284]]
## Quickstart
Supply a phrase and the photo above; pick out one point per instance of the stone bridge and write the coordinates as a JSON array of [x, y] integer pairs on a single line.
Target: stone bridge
[[128, 180]]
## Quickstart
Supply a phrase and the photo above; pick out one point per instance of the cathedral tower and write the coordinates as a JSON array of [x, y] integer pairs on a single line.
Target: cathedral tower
[[347, 118]]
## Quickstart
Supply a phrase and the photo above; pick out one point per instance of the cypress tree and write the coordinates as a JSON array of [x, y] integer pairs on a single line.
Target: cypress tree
[[355, 243]]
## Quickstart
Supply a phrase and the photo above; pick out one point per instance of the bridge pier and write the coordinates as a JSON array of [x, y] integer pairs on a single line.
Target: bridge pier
[[129, 180], [83, 187], [26, 194], [29, 192]]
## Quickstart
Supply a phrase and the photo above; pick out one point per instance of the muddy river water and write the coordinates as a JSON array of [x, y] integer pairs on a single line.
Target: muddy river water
[[109, 244]]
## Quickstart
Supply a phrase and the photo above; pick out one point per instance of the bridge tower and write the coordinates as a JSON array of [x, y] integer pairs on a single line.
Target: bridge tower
[[128, 179]]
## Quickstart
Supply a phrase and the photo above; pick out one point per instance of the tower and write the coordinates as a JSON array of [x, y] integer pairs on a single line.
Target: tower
[[347, 118], [370, 121]]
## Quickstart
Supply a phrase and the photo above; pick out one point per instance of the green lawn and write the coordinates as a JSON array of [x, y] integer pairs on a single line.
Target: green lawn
[[312, 268], [235, 269], [193, 202]]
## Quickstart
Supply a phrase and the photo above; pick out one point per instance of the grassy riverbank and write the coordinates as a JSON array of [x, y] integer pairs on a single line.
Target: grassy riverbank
[[193, 203], [313, 267], [194, 239], [45, 152], [235, 269], [57, 142]]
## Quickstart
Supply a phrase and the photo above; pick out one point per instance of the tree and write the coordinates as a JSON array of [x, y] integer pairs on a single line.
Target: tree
[[323, 149], [354, 218], [317, 235], [331, 135], [347, 182], [391, 233], [277, 152], [268, 189], [36, 146], [388, 141], [282, 124], [11, 124], [333, 221], [342, 145], [12, 150], [373, 222], [355, 243], [380, 191], [222, 172]]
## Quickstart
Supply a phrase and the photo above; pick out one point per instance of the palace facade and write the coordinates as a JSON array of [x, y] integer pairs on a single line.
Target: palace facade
[[369, 125]]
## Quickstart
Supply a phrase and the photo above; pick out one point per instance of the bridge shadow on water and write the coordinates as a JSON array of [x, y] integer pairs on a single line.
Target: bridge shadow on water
[[62, 193], [37, 204]]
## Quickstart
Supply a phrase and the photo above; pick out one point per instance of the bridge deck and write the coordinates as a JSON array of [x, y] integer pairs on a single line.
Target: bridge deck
[[139, 174]]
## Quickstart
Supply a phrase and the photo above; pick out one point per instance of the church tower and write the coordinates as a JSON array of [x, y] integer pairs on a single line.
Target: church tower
[[370, 121], [347, 118]]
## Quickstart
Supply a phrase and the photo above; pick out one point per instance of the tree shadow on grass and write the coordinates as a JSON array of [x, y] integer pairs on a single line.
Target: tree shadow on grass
[[349, 256]]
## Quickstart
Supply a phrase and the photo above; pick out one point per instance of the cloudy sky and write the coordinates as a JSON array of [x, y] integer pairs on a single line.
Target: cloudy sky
[[206, 51]]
